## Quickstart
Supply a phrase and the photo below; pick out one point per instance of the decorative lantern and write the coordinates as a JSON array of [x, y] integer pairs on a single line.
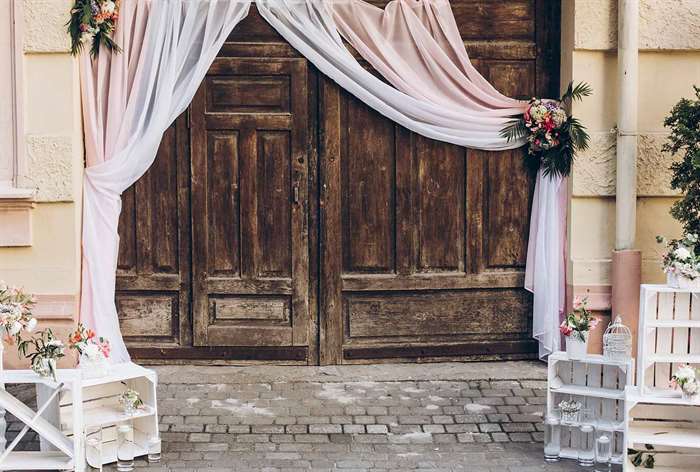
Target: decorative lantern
[[617, 341]]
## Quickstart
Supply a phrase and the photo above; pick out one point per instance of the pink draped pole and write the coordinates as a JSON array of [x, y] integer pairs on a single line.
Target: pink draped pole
[[129, 100]]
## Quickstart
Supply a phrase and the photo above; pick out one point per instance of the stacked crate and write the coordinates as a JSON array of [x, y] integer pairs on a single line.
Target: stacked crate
[[599, 384], [655, 415]]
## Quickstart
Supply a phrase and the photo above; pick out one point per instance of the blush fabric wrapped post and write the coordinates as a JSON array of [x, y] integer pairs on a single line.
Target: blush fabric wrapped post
[[129, 100]]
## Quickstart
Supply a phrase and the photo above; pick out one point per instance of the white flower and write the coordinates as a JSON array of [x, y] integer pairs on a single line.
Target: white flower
[[691, 388], [685, 374], [31, 324], [559, 116], [92, 351], [85, 37], [682, 254], [15, 328], [108, 7], [55, 342]]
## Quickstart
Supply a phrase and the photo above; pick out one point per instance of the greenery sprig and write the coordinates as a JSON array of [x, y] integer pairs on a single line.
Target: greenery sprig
[[684, 123], [94, 22], [554, 136]]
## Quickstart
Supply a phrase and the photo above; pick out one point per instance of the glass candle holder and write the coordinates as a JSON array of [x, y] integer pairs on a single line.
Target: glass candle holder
[[552, 439], [93, 447], [125, 448], [154, 445], [603, 453], [588, 416], [619, 449], [586, 452]]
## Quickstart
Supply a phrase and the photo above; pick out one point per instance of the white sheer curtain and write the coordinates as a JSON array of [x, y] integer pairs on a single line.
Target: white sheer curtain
[[129, 100], [310, 28], [545, 276]]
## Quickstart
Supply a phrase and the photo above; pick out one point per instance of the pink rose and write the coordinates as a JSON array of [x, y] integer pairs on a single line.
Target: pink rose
[[565, 329]]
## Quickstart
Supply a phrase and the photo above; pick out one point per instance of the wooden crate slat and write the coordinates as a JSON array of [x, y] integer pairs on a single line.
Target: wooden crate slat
[[664, 339], [680, 335], [650, 306], [694, 341]]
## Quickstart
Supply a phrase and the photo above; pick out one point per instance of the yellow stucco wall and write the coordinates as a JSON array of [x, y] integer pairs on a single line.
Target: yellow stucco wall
[[51, 116], [669, 64]]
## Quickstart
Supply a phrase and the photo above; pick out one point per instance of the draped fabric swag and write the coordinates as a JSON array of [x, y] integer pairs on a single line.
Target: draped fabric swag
[[130, 99]]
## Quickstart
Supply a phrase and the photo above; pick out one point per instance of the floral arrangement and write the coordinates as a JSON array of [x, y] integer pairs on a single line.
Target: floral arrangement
[[579, 321], [15, 312], [130, 400], [553, 135], [47, 349], [93, 22], [688, 379], [679, 258], [88, 344]]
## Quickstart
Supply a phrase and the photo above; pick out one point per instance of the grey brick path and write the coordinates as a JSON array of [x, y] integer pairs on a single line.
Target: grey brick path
[[437, 417]]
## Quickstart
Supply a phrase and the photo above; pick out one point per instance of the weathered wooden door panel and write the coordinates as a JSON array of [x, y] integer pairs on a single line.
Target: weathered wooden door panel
[[153, 276], [249, 140], [424, 243]]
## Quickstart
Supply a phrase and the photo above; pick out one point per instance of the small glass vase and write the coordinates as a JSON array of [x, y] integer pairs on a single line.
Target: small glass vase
[[552, 439], [586, 452], [154, 446], [93, 368], [679, 281], [603, 453], [93, 447], [689, 398], [129, 408], [575, 348], [44, 367], [125, 447]]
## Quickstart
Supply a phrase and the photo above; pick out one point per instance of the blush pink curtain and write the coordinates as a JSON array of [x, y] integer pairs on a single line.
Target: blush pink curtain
[[129, 100], [417, 47]]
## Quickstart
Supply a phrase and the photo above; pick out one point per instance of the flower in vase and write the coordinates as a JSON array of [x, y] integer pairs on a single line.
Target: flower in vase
[[682, 254]]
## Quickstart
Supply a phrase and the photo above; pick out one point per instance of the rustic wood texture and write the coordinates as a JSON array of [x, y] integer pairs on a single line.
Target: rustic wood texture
[[322, 232], [249, 134], [153, 275]]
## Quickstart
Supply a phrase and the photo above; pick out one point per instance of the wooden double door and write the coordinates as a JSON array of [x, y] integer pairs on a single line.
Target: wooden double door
[[285, 221]]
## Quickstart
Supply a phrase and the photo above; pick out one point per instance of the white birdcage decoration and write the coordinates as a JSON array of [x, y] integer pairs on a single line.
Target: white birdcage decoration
[[617, 341]]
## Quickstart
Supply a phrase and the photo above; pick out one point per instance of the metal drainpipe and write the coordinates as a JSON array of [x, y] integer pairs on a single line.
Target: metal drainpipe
[[626, 261]]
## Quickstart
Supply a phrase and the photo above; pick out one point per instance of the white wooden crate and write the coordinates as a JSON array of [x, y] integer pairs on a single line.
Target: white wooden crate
[[672, 429], [597, 383], [101, 408], [62, 452], [669, 336]]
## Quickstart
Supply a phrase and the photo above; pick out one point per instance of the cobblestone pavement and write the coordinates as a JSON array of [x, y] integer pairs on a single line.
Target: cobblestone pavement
[[437, 417]]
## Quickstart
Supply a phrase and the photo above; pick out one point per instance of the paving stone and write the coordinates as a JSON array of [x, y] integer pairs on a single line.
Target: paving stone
[[363, 423]]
